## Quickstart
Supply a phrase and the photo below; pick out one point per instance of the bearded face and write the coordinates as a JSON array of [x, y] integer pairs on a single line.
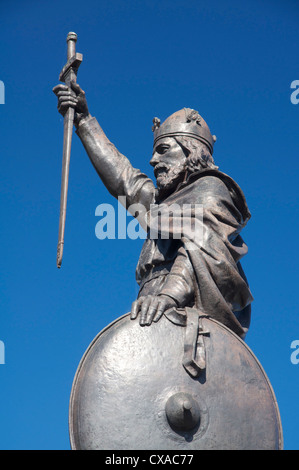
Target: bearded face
[[169, 162], [168, 177]]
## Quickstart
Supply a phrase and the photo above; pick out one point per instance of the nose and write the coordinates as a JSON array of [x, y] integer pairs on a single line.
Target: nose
[[155, 159]]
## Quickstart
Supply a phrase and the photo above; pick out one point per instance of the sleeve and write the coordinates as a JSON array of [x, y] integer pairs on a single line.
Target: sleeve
[[114, 169], [179, 282]]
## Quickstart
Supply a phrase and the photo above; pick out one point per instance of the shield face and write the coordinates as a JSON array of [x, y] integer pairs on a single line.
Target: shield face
[[131, 391]]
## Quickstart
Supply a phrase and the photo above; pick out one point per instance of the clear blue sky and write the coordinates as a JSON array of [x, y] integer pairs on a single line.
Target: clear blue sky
[[232, 61]]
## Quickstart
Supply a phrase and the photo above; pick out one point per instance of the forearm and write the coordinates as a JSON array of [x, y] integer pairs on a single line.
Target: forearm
[[179, 282], [114, 169]]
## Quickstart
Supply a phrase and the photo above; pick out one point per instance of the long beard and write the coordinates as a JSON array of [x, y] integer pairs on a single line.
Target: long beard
[[169, 178]]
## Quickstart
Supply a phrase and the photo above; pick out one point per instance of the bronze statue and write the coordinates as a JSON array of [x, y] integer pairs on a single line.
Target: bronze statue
[[208, 277], [194, 293]]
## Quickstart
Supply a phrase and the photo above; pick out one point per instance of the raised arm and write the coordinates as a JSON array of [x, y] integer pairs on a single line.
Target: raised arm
[[114, 169]]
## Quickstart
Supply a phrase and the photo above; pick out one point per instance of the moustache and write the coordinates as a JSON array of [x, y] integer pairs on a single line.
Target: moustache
[[161, 168]]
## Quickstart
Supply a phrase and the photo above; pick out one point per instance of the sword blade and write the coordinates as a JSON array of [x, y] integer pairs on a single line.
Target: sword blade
[[67, 143]]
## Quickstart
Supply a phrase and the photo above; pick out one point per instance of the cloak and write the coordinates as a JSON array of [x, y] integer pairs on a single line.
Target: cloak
[[198, 263]]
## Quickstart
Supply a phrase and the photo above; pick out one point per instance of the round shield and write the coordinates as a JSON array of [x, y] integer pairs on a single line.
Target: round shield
[[131, 391]]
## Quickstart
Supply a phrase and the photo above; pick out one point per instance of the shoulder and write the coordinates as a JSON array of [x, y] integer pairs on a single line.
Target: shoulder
[[215, 184], [211, 183]]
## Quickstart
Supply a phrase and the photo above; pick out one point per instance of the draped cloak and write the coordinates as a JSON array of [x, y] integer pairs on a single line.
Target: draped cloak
[[202, 271]]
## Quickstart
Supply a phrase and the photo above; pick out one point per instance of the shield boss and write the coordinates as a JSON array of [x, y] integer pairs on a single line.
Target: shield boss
[[131, 391]]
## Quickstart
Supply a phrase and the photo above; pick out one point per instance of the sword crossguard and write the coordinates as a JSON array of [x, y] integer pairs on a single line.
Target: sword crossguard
[[72, 65]]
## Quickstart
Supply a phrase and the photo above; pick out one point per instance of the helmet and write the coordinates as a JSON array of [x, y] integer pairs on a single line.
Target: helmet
[[185, 122]]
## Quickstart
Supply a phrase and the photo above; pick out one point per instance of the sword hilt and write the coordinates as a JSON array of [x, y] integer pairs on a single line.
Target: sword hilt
[[74, 59], [71, 44]]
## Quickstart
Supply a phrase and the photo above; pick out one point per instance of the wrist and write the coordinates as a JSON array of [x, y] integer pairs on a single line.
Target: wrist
[[81, 119]]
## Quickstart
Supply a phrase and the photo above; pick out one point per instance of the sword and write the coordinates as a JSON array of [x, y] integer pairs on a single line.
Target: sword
[[68, 74]]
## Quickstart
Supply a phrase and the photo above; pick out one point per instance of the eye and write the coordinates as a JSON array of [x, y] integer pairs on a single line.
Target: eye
[[162, 148]]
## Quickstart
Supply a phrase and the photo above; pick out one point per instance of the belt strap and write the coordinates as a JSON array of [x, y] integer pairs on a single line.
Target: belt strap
[[194, 358]]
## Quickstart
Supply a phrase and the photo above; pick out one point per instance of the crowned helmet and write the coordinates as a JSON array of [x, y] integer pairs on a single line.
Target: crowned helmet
[[185, 122]]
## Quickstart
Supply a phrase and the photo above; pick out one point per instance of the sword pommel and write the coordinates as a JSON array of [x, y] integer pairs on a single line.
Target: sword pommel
[[71, 37]]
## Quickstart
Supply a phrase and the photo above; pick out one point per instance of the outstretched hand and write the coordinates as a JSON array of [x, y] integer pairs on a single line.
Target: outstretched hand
[[151, 308], [73, 97]]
